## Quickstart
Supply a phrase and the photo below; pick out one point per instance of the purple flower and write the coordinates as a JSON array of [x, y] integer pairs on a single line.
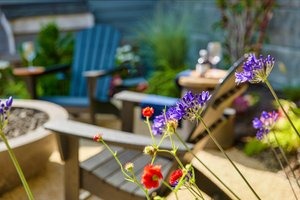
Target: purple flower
[[255, 70], [4, 110], [264, 123], [159, 124], [189, 106]]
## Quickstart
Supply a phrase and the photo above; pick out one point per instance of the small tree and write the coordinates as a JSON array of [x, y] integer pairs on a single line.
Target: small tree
[[244, 23]]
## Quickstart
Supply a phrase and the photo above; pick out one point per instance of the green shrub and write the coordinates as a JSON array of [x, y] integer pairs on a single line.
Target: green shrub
[[53, 48], [163, 44], [286, 136], [13, 86]]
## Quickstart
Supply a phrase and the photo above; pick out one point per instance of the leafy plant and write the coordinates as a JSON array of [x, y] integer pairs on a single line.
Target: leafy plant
[[254, 146], [244, 23], [13, 86], [287, 138], [292, 92], [163, 44], [53, 48]]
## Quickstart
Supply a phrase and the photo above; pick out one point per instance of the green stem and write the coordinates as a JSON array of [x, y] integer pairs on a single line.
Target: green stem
[[123, 171], [17, 166], [281, 166], [198, 192], [278, 102], [173, 154], [285, 158], [205, 166], [150, 130], [225, 154], [194, 184]]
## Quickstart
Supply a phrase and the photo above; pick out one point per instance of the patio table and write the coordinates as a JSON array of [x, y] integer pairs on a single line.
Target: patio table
[[197, 82], [28, 73]]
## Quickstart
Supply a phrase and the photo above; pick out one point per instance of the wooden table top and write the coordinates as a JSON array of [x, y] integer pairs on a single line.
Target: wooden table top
[[210, 79], [28, 71]]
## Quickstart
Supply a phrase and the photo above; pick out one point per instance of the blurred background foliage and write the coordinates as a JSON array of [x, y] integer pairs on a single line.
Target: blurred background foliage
[[163, 42], [52, 48], [244, 24], [286, 136]]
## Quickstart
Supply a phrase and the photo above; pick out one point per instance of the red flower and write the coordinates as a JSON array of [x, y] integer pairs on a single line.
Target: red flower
[[148, 111], [151, 176], [97, 138], [175, 176]]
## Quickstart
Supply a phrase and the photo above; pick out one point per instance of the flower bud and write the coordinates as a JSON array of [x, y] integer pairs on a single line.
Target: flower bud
[[150, 150], [97, 138], [129, 166], [147, 112]]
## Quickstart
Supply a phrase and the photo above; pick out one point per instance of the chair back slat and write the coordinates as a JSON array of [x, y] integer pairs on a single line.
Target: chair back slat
[[222, 97], [95, 49]]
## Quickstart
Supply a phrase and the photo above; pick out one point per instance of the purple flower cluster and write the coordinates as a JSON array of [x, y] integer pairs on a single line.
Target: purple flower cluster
[[264, 123], [189, 106], [255, 70], [4, 109], [5, 106]]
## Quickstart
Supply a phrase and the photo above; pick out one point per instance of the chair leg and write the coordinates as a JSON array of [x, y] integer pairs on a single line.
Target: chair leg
[[93, 117], [71, 169]]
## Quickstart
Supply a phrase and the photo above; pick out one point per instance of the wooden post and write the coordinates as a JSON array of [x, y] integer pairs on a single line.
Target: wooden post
[[127, 114], [71, 169]]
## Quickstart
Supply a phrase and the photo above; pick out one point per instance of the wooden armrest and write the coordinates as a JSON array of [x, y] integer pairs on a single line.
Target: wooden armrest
[[135, 97], [111, 136], [57, 68], [94, 73], [101, 73], [39, 71]]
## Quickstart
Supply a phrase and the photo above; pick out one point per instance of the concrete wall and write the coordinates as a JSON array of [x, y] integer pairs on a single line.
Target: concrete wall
[[284, 42]]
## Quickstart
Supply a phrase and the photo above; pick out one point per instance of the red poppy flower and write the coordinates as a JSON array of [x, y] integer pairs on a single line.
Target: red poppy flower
[[97, 138], [151, 176], [175, 176], [148, 111]]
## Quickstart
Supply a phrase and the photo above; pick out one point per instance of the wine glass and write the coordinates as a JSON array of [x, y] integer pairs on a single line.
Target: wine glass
[[29, 52], [214, 52]]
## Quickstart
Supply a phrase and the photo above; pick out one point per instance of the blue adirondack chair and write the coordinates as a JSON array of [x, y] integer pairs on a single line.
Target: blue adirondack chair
[[91, 70]]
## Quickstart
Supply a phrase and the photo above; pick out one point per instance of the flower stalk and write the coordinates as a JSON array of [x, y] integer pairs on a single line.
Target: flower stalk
[[17, 166], [205, 166], [228, 158], [279, 103], [282, 167]]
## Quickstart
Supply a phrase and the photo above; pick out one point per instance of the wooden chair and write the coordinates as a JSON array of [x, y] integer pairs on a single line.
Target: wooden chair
[[101, 175], [91, 70]]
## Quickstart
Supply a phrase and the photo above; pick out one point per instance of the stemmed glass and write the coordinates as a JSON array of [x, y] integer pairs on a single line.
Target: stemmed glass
[[29, 52], [214, 52]]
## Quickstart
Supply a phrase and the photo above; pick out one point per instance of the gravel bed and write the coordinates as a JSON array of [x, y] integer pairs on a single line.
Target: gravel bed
[[23, 120]]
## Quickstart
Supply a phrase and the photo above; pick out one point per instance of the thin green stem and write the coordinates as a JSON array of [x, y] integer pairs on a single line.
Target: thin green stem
[[173, 154], [17, 166], [278, 102], [123, 171], [225, 154], [193, 183], [281, 166], [285, 158], [172, 142], [198, 190], [205, 166], [150, 130], [194, 192]]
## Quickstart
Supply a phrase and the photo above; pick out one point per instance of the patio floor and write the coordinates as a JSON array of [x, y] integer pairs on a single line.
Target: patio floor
[[49, 183]]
